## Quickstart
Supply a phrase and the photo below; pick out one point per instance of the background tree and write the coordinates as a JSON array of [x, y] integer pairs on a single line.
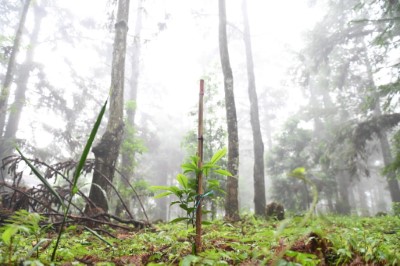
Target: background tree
[[107, 150], [131, 144], [231, 203], [8, 79], [15, 110], [336, 80], [258, 145]]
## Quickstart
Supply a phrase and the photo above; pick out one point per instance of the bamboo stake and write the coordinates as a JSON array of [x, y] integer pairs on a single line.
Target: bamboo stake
[[200, 174]]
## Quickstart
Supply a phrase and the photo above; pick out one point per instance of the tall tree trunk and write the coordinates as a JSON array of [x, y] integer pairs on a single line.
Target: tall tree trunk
[[107, 150], [258, 145], [22, 81], [5, 90], [128, 156], [231, 203], [343, 183], [318, 89], [127, 151], [362, 199], [393, 184]]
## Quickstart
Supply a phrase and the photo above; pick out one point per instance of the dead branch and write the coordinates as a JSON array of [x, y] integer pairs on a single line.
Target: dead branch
[[136, 194], [40, 200]]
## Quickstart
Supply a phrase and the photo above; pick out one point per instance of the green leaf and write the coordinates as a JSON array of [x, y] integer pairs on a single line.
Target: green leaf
[[174, 202], [213, 183], [11, 231], [74, 190], [183, 180], [179, 219], [206, 222], [44, 180], [190, 210], [87, 149], [207, 167], [155, 188], [189, 167], [195, 160], [183, 206], [208, 193], [218, 155], [164, 194], [188, 260], [223, 172], [299, 172], [8, 234], [98, 236], [37, 246], [173, 189]]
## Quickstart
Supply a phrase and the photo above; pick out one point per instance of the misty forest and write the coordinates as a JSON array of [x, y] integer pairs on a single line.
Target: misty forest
[[214, 132]]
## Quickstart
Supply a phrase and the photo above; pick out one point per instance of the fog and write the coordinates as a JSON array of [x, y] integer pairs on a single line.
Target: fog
[[318, 70]]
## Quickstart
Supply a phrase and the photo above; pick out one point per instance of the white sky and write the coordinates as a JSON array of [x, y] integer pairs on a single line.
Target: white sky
[[172, 57]]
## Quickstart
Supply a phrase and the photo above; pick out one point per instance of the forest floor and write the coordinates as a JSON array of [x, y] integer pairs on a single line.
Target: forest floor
[[323, 240]]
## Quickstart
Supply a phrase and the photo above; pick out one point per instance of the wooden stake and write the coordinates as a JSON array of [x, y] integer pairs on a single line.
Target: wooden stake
[[200, 175]]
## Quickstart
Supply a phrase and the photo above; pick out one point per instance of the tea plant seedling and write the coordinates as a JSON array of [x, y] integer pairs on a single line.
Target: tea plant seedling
[[188, 199]]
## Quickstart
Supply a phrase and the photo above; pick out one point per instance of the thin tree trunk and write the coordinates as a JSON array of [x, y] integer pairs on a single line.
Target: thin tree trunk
[[258, 145], [343, 183], [231, 203], [127, 153], [362, 198], [22, 81], [107, 150], [319, 131], [213, 210], [128, 156], [342, 178], [5, 91]]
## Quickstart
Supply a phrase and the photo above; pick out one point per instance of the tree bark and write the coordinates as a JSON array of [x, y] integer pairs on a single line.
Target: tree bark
[[258, 145], [107, 150], [231, 203], [5, 91], [127, 152]]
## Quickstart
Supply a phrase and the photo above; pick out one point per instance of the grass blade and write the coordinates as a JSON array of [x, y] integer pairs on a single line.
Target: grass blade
[[98, 236], [44, 180], [37, 246], [77, 173], [87, 148]]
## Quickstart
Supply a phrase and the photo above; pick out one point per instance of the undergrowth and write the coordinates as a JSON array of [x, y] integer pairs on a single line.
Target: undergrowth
[[326, 240]]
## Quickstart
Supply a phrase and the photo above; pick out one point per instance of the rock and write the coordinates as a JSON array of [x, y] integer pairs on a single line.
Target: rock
[[275, 210]]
